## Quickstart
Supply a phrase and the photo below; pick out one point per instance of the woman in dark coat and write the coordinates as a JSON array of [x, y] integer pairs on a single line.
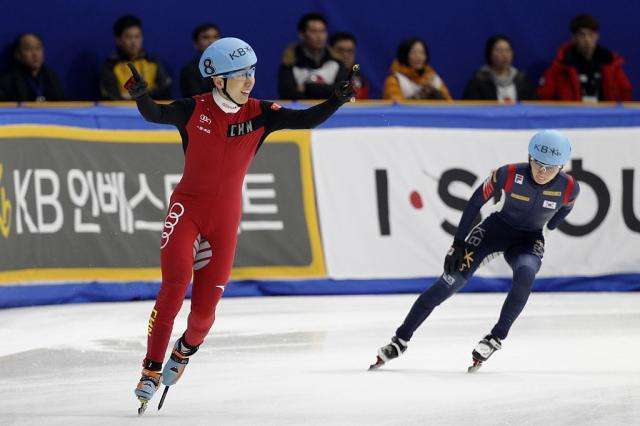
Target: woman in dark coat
[[498, 79]]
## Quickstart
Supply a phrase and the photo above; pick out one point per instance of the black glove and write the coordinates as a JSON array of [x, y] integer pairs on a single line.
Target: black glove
[[344, 90], [136, 85], [453, 259]]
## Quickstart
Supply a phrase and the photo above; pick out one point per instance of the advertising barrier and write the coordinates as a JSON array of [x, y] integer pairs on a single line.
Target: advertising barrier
[[80, 205], [367, 203], [390, 199]]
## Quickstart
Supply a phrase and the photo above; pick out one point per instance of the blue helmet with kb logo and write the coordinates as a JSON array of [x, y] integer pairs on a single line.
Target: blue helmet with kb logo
[[225, 56], [550, 147]]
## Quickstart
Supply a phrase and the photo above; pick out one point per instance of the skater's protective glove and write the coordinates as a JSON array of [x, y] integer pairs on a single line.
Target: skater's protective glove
[[453, 259], [136, 85], [345, 90]]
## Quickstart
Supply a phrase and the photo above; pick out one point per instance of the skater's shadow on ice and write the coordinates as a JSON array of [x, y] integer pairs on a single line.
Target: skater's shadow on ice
[[398, 371], [499, 374], [94, 415], [419, 371]]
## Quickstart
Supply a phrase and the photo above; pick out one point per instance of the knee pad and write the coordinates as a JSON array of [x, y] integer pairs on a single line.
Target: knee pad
[[527, 261]]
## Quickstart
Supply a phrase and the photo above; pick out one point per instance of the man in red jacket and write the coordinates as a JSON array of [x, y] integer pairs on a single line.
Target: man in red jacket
[[583, 70]]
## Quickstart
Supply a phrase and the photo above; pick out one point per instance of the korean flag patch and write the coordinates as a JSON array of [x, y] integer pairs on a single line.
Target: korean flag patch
[[519, 179], [549, 204]]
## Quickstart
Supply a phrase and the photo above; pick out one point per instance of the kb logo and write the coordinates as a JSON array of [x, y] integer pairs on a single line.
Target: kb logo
[[175, 212], [240, 52], [545, 149]]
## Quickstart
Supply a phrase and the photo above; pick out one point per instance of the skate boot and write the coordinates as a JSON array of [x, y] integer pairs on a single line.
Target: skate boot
[[174, 368], [147, 387], [391, 351], [483, 350]]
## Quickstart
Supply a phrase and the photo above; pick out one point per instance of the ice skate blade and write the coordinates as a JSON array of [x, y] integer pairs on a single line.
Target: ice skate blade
[[379, 363], [164, 395], [143, 406], [475, 367]]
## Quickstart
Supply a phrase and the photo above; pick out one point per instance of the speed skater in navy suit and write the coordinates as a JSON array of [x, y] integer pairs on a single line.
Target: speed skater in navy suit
[[533, 196]]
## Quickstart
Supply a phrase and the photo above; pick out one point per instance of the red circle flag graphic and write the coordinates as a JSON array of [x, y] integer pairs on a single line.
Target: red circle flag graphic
[[416, 200]]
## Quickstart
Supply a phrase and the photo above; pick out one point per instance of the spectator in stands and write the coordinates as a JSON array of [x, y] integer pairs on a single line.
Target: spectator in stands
[[411, 76], [191, 81], [30, 79], [583, 70], [343, 45], [128, 38], [308, 69], [498, 79]]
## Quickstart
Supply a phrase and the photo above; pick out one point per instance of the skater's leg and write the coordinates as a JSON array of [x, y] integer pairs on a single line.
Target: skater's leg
[[213, 259], [525, 266], [441, 290], [176, 260], [204, 300], [209, 281], [524, 258], [484, 239]]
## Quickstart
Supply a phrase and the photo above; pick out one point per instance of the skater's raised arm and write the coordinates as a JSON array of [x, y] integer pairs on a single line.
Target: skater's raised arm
[[278, 118], [176, 113]]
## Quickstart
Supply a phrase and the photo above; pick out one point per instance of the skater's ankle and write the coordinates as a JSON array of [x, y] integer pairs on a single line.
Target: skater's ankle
[[185, 348], [150, 365], [498, 336], [494, 340], [403, 343], [151, 374]]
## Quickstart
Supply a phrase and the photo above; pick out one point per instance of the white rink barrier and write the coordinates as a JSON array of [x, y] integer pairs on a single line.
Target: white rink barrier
[[390, 198], [367, 203]]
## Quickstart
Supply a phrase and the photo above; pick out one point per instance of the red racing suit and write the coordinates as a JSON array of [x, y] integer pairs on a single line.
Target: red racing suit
[[200, 232]]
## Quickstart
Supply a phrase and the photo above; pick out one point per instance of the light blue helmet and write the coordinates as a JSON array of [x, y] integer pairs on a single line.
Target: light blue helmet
[[550, 147], [225, 56]]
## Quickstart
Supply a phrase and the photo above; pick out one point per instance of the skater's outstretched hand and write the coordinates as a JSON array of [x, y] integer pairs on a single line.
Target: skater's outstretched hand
[[136, 85], [344, 90], [453, 259]]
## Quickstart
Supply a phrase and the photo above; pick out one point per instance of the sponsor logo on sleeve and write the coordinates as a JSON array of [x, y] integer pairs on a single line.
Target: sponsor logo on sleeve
[[519, 179]]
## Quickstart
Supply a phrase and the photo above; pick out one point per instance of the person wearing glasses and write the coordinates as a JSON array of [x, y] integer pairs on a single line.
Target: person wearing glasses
[[221, 132], [533, 195]]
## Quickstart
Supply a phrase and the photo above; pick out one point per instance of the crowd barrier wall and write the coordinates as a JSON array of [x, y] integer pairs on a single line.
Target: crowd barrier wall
[[366, 203]]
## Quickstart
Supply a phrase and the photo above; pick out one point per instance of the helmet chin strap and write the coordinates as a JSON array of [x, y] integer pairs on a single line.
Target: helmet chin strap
[[224, 91]]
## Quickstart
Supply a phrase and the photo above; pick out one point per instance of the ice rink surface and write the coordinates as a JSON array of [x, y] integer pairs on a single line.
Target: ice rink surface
[[572, 358]]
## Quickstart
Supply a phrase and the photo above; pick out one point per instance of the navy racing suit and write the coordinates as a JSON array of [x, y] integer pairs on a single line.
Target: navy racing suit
[[515, 230]]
